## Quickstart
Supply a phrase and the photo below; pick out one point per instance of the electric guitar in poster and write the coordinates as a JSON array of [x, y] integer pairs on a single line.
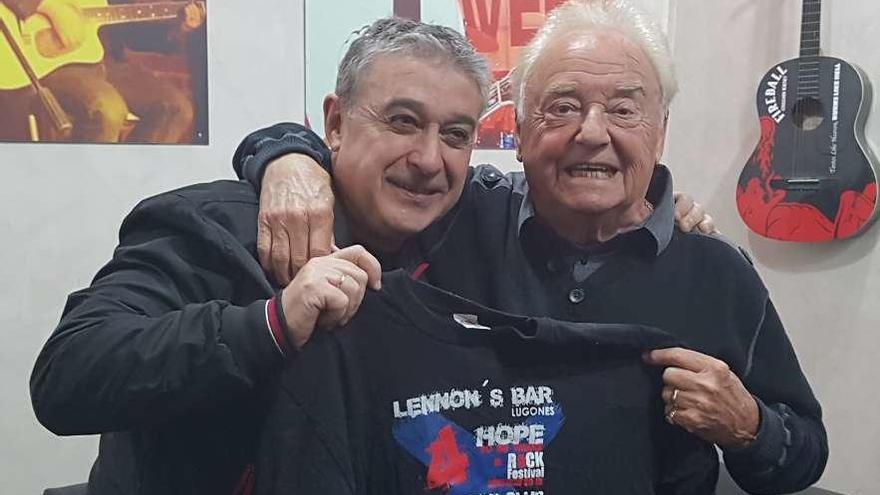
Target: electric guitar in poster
[[811, 177], [500, 95], [497, 122], [41, 48]]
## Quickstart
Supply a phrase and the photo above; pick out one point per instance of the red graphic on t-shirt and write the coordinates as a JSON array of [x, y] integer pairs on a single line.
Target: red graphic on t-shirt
[[448, 464]]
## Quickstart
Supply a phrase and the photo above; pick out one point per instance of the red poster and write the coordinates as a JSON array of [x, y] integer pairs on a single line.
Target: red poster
[[499, 29]]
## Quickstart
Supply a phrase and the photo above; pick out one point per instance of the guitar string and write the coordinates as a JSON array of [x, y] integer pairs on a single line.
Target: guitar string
[[798, 114], [802, 92]]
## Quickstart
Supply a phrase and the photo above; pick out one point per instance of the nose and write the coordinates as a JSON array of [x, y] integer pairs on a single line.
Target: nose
[[427, 152], [593, 131]]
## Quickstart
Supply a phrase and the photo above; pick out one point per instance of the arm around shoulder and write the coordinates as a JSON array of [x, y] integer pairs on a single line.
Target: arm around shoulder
[[262, 146]]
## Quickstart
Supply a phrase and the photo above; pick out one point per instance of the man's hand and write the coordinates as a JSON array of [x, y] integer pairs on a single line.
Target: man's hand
[[295, 222], [327, 292], [705, 398], [690, 214], [193, 16], [67, 21]]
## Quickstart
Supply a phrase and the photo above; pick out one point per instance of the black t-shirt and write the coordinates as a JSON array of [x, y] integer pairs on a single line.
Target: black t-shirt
[[425, 392]]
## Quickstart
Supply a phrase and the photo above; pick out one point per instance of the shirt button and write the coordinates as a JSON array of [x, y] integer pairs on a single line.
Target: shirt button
[[491, 178], [576, 296]]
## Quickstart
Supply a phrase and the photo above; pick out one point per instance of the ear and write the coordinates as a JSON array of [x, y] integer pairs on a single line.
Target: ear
[[661, 139], [516, 139], [333, 115]]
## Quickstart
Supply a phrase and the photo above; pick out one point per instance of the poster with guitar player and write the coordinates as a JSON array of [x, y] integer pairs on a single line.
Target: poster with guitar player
[[103, 71]]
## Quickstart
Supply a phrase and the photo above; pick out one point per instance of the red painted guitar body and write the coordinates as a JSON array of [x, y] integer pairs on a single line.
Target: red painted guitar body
[[811, 178]]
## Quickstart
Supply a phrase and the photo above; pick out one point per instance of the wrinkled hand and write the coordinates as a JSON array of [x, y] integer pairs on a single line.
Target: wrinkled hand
[[193, 16], [711, 401], [67, 21], [295, 222], [327, 292], [690, 214]]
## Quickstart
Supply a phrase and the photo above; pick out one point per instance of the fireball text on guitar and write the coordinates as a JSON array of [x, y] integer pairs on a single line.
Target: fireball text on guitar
[[811, 177]]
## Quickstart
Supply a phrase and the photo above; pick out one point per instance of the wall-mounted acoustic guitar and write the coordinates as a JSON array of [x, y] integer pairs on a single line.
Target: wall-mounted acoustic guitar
[[45, 53], [811, 178]]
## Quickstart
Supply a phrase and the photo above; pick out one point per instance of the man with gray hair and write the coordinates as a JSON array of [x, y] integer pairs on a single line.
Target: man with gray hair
[[589, 237]]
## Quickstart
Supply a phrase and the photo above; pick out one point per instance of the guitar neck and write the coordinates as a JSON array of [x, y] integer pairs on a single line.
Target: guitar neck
[[138, 12], [811, 27]]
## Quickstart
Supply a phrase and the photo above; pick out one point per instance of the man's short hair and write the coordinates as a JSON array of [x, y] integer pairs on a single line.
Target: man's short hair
[[393, 35]]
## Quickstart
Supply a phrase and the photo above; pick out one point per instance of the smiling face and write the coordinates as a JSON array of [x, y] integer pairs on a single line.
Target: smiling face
[[402, 146], [593, 129]]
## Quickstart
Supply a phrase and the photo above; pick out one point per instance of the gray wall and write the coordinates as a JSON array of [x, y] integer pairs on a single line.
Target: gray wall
[[827, 294], [62, 205]]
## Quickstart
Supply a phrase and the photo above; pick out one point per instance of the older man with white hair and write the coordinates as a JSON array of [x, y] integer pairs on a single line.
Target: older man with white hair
[[589, 237]]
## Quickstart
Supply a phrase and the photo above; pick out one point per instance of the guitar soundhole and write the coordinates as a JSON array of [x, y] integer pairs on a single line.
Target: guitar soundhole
[[808, 113]]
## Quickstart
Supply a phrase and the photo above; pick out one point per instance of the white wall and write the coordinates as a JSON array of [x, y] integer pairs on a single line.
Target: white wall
[[826, 294], [62, 204]]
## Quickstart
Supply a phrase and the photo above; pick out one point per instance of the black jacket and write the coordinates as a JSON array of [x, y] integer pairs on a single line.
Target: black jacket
[[166, 354]]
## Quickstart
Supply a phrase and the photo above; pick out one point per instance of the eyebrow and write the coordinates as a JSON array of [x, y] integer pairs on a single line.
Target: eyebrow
[[561, 89], [626, 90], [419, 108], [629, 90]]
